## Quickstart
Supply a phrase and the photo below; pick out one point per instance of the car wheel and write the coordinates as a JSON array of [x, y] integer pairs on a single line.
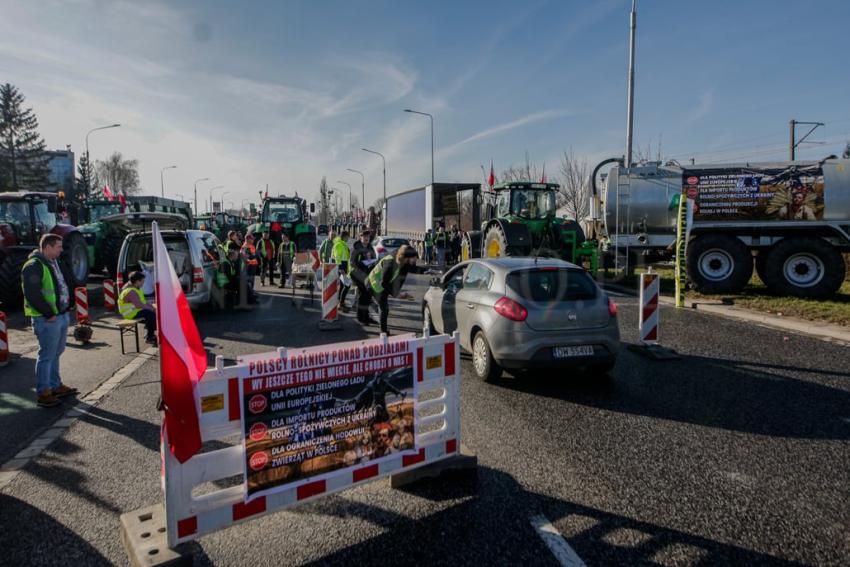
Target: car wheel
[[486, 368], [426, 315]]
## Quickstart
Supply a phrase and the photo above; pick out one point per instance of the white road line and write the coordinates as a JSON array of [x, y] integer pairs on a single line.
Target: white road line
[[556, 542]]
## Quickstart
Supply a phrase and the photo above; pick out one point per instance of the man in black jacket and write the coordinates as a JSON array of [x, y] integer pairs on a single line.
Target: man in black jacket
[[47, 299], [362, 260]]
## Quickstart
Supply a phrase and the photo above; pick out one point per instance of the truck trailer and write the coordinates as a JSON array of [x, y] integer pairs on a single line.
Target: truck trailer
[[411, 213], [790, 221]]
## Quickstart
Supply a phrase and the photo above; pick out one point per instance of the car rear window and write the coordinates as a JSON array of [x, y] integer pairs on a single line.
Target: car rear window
[[394, 242], [552, 284]]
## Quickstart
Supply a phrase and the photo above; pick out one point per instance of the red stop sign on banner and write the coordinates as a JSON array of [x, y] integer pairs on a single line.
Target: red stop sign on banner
[[257, 403], [258, 431], [693, 180], [692, 193], [258, 460]]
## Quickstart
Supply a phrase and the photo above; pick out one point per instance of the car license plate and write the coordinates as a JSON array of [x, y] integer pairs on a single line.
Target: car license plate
[[572, 351]]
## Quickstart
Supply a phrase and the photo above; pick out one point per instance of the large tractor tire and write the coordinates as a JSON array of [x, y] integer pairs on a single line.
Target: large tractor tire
[[75, 254], [11, 293], [111, 252], [719, 263], [470, 245], [304, 242], [497, 245], [804, 267]]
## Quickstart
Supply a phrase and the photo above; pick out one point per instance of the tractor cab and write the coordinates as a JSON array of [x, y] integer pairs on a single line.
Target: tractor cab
[[100, 209], [526, 201], [287, 215]]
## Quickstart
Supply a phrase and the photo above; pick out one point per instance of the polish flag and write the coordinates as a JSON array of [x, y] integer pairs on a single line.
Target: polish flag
[[108, 193], [492, 179], [123, 201], [182, 359]]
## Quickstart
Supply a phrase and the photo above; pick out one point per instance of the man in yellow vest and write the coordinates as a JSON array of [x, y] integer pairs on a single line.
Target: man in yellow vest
[[133, 305], [387, 277], [340, 255], [285, 255], [46, 300]]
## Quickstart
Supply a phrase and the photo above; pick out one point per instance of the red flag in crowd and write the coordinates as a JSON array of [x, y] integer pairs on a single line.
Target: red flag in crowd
[[107, 193], [492, 179], [182, 359], [123, 201]]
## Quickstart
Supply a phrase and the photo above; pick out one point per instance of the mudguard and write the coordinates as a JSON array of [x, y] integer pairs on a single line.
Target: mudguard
[[517, 235]]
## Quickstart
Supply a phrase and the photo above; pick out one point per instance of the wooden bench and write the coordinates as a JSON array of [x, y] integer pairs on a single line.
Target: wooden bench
[[129, 327]]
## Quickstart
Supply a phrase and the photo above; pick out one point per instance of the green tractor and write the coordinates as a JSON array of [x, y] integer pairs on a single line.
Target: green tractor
[[220, 224], [287, 215], [104, 234], [521, 221]]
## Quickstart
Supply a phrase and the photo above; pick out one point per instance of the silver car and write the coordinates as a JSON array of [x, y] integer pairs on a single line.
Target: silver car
[[193, 253], [388, 245], [518, 313]]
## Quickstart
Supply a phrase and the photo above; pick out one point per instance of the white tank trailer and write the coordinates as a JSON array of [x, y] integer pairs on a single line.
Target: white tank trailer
[[790, 221]]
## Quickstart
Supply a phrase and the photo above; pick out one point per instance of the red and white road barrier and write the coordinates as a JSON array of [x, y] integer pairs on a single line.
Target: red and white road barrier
[[648, 319], [221, 398], [4, 341], [81, 298], [330, 292], [109, 295]]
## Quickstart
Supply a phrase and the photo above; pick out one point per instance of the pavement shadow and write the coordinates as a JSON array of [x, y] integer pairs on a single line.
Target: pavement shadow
[[711, 392], [142, 432], [494, 528], [43, 540]]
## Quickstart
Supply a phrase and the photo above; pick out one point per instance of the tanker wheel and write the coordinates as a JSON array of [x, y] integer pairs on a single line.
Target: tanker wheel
[[495, 243], [718, 263], [804, 267], [11, 294]]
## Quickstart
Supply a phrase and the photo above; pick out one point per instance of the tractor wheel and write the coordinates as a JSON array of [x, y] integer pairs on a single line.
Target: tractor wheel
[[11, 294], [496, 244], [470, 245], [76, 258], [304, 242], [111, 251]]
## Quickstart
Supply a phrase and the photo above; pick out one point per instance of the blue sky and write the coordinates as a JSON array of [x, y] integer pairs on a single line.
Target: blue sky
[[283, 93]]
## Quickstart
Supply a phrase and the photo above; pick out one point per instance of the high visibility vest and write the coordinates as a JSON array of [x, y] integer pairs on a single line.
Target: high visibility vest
[[47, 290], [429, 241], [340, 253], [266, 249], [125, 307], [441, 238], [288, 248], [376, 276], [225, 272], [250, 250]]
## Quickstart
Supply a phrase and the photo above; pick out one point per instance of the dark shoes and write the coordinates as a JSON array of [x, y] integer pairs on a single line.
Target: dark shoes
[[50, 398], [151, 341]]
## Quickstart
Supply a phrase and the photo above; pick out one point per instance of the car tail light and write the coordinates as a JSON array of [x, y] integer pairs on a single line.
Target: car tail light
[[612, 307], [510, 309], [275, 227], [197, 275]]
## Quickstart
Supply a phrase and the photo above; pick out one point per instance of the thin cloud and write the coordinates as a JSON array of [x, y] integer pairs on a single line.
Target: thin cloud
[[531, 118]]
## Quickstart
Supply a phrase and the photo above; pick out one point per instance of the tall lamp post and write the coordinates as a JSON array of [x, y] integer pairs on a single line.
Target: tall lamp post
[[362, 187], [88, 159], [161, 179], [196, 192], [432, 137], [384, 206], [350, 208]]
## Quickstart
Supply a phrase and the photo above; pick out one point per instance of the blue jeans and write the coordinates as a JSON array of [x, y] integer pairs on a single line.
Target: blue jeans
[[52, 336]]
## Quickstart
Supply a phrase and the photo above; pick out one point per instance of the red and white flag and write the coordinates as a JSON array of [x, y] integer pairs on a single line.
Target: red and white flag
[[108, 193], [182, 359], [492, 179], [123, 201]]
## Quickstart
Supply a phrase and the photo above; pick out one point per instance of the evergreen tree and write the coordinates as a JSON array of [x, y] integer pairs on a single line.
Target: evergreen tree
[[23, 163], [87, 186]]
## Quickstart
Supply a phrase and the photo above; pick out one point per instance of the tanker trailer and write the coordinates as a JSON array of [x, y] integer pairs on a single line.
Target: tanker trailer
[[788, 220]]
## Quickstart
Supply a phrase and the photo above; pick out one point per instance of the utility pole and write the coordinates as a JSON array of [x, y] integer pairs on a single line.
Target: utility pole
[[793, 142], [631, 96]]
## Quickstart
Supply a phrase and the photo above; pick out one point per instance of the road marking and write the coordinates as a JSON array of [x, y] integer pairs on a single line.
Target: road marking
[[556, 543], [10, 469]]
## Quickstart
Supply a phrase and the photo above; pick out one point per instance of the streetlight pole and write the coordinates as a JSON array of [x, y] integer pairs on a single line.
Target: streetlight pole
[[161, 181], [362, 187], [196, 192], [384, 205], [350, 208], [630, 111], [432, 138], [88, 159], [223, 193]]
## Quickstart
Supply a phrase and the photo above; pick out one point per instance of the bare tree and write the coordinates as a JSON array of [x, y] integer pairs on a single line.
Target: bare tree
[[574, 194], [122, 175], [323, 201]]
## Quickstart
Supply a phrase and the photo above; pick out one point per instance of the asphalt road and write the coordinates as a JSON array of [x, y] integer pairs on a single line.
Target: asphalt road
[[737, 454]]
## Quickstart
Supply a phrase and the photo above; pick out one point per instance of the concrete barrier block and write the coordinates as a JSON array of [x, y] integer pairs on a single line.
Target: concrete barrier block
[[145, 539]]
